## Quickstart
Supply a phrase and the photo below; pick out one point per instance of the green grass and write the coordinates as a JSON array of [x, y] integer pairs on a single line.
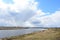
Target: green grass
[[50, 34]]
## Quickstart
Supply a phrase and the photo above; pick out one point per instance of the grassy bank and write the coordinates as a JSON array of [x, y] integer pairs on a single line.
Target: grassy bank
[[50, 34]]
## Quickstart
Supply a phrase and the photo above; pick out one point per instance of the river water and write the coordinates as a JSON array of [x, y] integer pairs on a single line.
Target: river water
[[9, 33]]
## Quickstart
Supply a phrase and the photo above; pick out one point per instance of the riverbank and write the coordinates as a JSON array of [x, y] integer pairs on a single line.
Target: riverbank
[[9, 33], [50, 34]]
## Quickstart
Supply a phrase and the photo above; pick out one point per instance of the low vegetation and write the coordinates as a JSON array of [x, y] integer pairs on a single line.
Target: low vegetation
[[50, 34]]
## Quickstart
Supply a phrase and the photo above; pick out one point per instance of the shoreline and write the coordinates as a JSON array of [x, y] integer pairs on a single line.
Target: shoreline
[[9, 33], [50, 34], [8, 38]]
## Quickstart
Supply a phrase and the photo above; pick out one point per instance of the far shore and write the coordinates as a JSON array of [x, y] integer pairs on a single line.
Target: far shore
[[19, 27]]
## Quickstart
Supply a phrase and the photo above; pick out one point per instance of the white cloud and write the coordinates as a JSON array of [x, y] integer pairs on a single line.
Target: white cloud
[[4, 22], [50, 20], [22, 10], [28, 24], [19, 5], [18, 12]]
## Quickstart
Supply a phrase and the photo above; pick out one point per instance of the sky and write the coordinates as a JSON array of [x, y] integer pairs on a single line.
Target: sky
[[49, 5], [30, 13]]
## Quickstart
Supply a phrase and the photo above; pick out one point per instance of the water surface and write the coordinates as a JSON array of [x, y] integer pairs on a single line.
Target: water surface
[[9, 33]]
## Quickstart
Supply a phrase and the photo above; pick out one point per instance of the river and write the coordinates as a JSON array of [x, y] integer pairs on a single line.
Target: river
[[9, 33]]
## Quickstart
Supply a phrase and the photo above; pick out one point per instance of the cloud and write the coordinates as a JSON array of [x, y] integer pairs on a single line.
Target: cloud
[[44, 20], [5, 23], [18, 12], [28, 24], [52, 20], [26, 13]]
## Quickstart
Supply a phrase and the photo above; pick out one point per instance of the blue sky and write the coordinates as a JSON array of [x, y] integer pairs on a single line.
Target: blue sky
[[8, 1], [30, 13], [49, 5]]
